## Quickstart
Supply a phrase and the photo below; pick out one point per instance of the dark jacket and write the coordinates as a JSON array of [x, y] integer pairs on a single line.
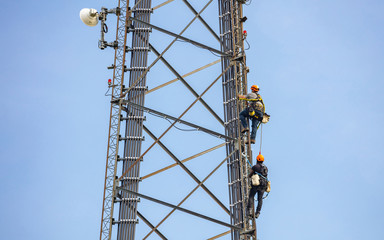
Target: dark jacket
[[261, 169]]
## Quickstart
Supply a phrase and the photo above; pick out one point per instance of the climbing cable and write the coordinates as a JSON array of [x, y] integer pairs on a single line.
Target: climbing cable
[[261, 137]]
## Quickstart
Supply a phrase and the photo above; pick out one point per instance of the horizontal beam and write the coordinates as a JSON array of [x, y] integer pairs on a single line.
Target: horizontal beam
[[181, 37], [179, 208], [200, 128]]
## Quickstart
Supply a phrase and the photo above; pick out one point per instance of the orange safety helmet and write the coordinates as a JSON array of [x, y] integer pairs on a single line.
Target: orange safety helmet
[[260, 158], [255, 88]]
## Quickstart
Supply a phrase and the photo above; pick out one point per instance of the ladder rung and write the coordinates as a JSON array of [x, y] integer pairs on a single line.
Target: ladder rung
[[239, 223], [230, 100], [231, 205], [233, 162], [234, 182], [132, 138], [227, 32], [225, 14], [142, 88], [128, 159], [135, 69], [128, 200], [131, 179], [230, 121], [143, 10], [122, 221], [136, 29], [229, 80], [138, 49], [133, 118]]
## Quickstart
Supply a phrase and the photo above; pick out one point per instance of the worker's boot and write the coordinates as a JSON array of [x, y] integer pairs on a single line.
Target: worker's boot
[[250, 212], [248, 231], [245, 130], [257, 215]]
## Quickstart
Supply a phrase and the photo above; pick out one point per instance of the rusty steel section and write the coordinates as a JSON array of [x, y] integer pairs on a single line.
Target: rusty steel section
[[235, 83]]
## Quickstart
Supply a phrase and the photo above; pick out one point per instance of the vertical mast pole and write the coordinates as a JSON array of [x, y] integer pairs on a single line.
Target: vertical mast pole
[[114, 123]]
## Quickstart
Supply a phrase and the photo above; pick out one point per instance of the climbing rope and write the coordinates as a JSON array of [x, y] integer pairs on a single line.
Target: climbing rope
[[261, 137]]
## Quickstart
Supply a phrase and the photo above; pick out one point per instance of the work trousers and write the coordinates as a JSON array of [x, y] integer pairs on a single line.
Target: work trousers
[[243, 118], [260, 192]]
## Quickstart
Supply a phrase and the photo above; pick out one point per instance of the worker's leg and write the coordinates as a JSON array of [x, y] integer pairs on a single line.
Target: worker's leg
[[254, 128], [251, 198], [259, 115], [243, 115], [260, 194]]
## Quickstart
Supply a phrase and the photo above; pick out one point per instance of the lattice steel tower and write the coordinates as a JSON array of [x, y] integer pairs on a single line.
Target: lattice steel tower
[[129, 111]]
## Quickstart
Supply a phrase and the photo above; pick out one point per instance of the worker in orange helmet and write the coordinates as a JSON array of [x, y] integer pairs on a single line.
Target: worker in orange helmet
[[254, 111], [258, 174]]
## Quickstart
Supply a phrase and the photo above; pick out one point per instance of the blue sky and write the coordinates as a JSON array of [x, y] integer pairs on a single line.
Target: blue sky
[[319, 65]]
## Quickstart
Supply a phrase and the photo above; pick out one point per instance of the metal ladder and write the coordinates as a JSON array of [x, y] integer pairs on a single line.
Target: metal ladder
[[234, 83]]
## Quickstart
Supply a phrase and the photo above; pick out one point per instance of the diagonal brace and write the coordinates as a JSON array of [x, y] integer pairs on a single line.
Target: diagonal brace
[[177, 36], [166, 49], [183, 161], [190, 194], [202, 21], [137, 106], [165, 132], [186, 169], [179, 208], [187, 85], [151, 225]]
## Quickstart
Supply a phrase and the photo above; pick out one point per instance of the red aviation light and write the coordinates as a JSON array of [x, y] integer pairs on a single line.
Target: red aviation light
[[109, 82]]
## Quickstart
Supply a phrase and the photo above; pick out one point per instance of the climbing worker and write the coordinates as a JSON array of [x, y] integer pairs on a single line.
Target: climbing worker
[[254, 111], [260, 187]]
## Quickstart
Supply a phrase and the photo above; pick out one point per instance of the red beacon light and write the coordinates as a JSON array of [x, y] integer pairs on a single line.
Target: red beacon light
[[245, 33], [109, 82]]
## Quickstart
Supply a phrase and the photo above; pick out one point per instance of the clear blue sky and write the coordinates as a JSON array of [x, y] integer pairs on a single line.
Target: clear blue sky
[[320, 67]]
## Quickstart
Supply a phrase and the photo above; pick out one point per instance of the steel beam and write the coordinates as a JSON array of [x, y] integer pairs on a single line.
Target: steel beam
[[133, 134], [150, 225], [182, 201], [166, 49], [187, 85], [114, 124], [235, 83], [185, 169], [183, 161], [202, 20], [184, 76], [173, 124], [178, 36], [199, 128], [179, 208]]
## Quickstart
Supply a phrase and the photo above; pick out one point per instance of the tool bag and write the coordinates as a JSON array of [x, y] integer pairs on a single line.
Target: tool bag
[[265, 118], [255, 180], [268, 189]]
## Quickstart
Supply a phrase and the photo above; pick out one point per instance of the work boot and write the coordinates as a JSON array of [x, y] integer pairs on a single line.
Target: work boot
[[250, 212], [257, 215], [245, 130], [252, 141], [247, 232]]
